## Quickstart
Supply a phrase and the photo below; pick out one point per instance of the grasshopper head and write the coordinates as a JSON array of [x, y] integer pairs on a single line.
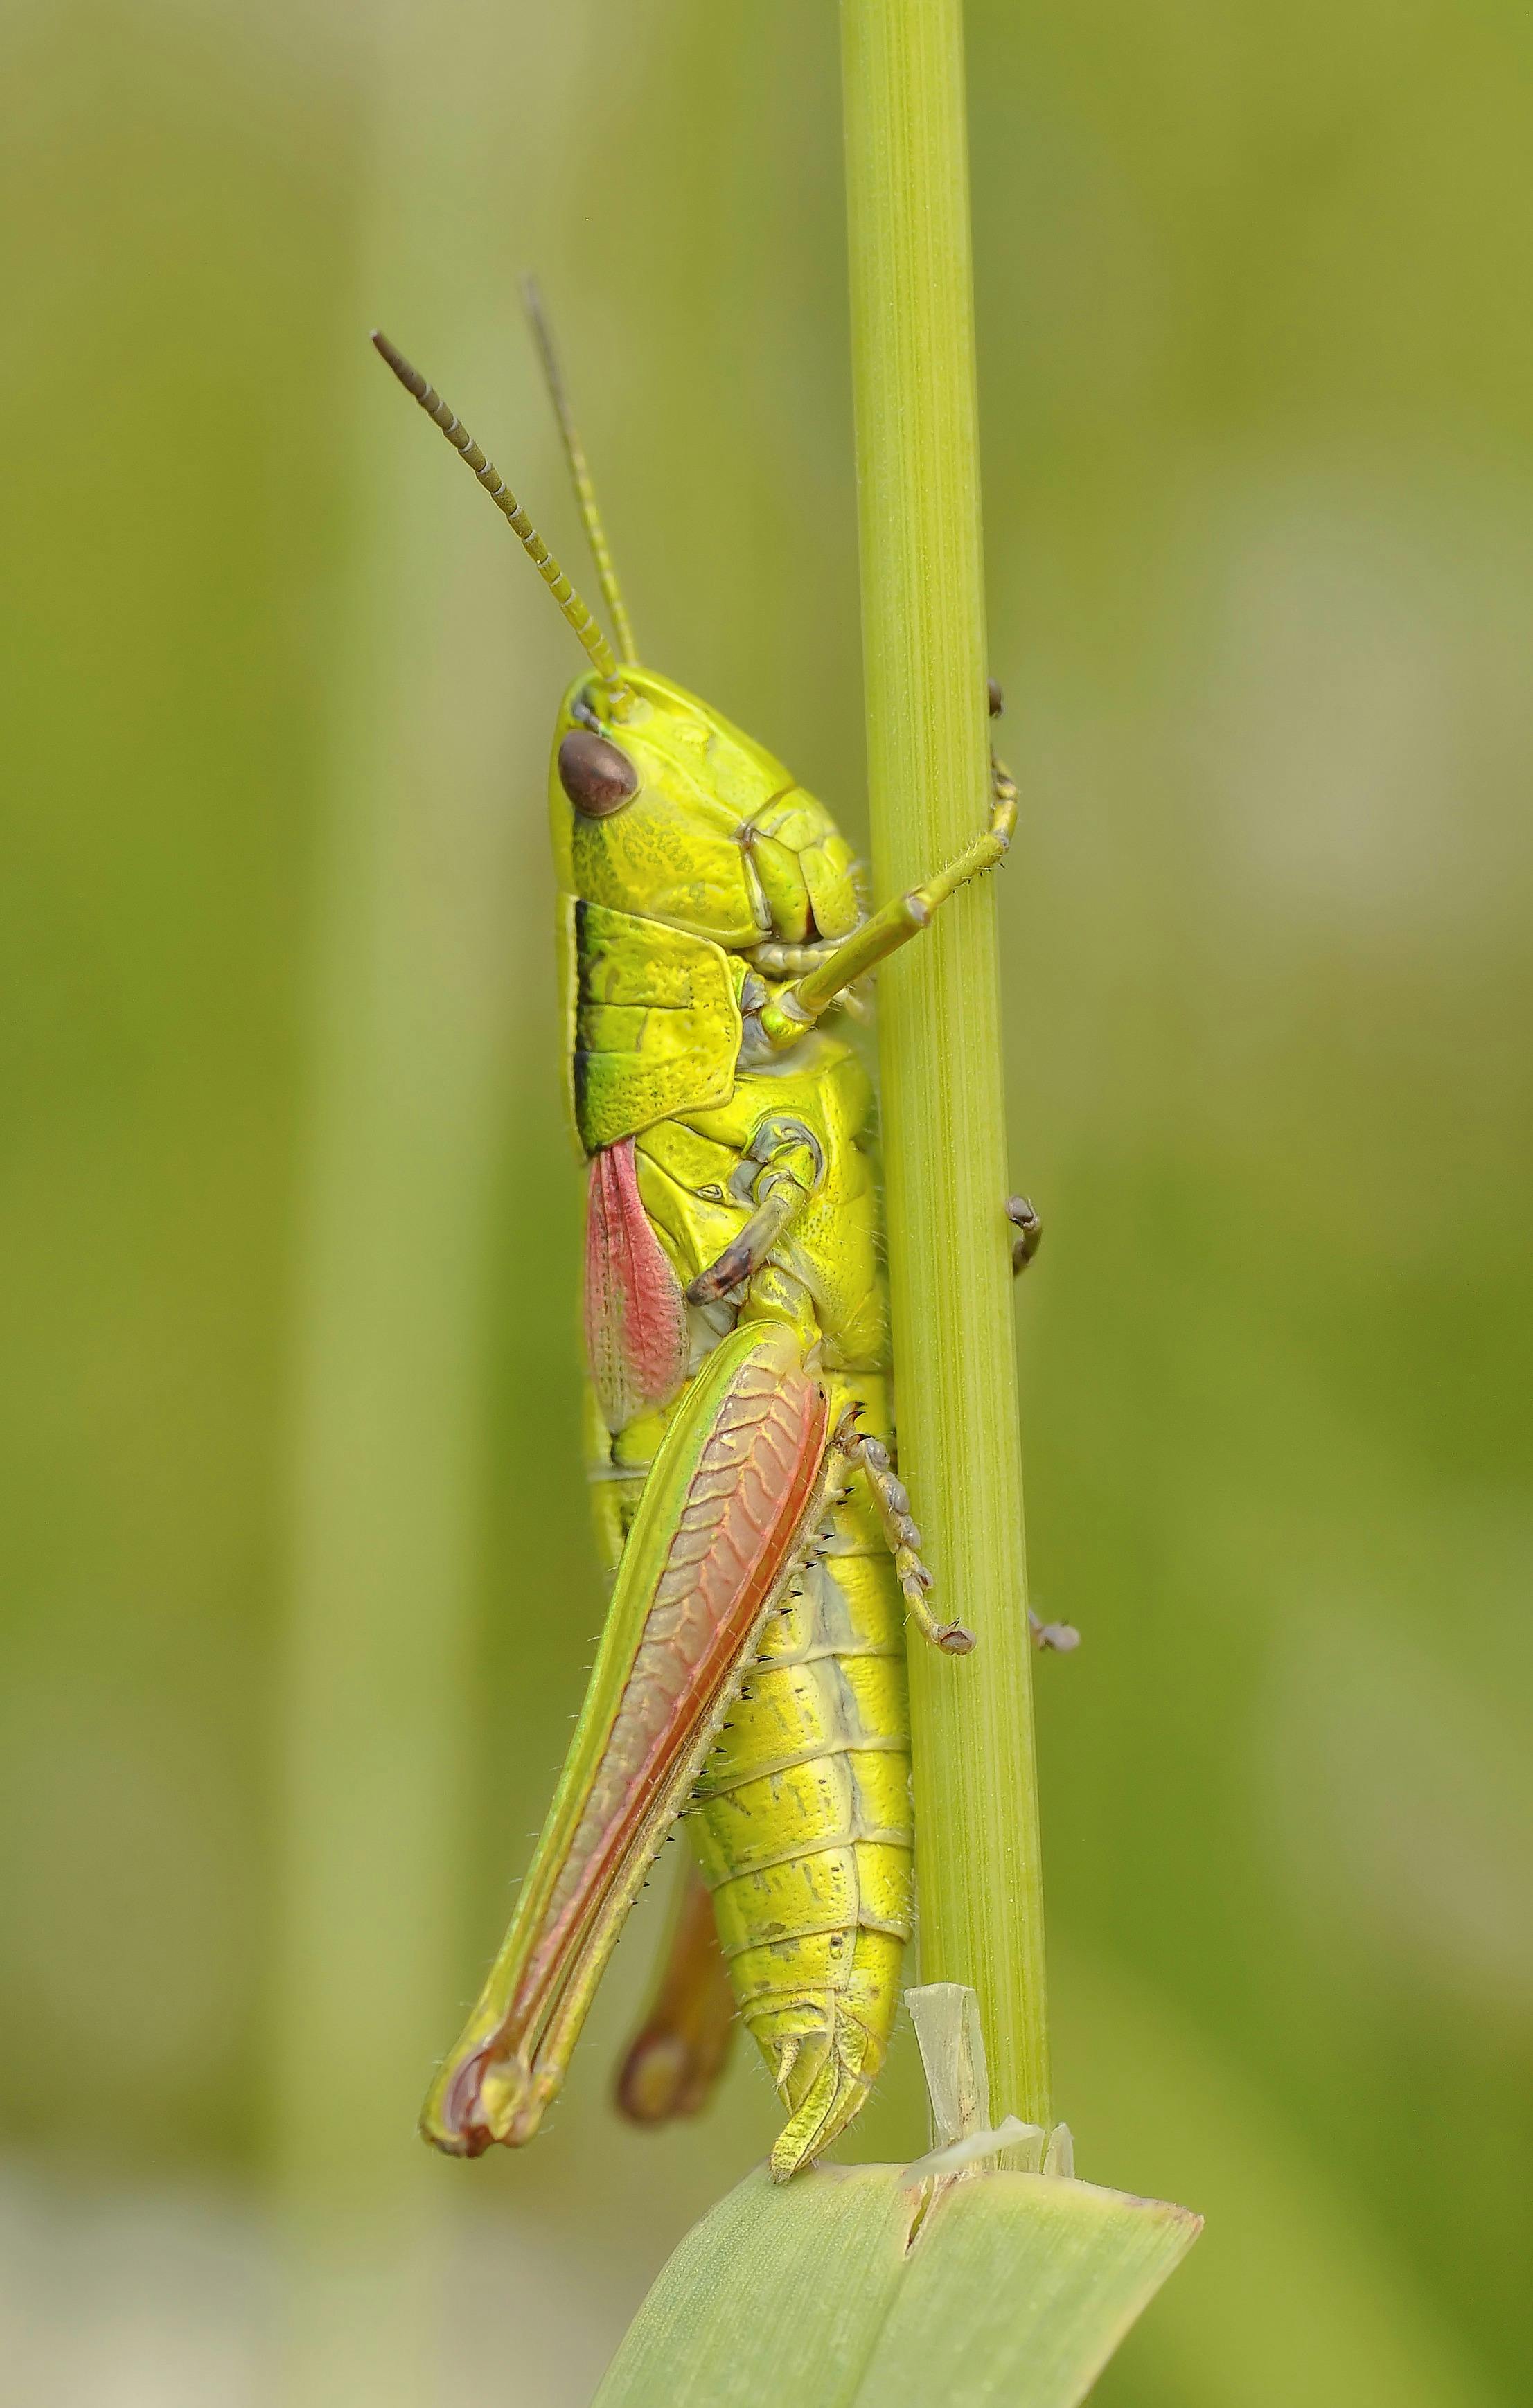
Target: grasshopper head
[[663, 809], [660, 807]]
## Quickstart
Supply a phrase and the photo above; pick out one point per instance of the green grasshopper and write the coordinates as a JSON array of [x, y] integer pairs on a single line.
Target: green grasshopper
[[714, 948]]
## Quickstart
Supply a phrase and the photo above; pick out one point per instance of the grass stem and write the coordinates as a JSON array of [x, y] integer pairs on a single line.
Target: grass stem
[[982, 1917]]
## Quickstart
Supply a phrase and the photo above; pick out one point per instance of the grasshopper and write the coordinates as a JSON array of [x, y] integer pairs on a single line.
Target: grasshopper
[[715, 945]]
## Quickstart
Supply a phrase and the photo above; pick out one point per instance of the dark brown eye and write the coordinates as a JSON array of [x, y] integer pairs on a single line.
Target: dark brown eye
[[597, 778], [998, 699]]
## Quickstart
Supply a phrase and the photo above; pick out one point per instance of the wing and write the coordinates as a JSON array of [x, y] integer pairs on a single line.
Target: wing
[[734, 1492], [636, 1315]]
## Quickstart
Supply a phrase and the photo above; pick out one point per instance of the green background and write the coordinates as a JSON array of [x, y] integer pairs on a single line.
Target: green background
[[297, 1591]]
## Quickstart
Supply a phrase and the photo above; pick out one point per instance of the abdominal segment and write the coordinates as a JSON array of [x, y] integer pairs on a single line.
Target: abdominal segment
[[803, 1829]]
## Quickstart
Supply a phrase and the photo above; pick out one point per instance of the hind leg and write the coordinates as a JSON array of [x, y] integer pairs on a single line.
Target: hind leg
[[674, 2061]]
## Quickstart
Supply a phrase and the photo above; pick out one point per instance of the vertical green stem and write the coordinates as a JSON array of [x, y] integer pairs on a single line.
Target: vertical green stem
[[981, 1914]]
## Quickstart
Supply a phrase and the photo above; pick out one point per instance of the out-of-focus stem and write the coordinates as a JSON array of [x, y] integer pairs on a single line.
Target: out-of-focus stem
[[413, 932]]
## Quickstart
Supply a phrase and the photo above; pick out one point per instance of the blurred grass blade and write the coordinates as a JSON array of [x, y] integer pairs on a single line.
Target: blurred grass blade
[[1015, 2287], [413, 926]]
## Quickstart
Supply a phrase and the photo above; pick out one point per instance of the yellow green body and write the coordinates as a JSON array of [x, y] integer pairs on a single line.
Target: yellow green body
[[802, 1824], [751, 1676]]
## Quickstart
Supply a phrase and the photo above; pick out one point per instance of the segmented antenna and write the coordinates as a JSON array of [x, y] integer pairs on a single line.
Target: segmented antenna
[[506, 502], [579, 475]]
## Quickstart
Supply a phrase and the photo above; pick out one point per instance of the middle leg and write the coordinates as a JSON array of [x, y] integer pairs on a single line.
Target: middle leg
[[904, 1539]]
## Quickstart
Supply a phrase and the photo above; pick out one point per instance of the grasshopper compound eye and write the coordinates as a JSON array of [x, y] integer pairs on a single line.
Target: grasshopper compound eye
[[594, 774]]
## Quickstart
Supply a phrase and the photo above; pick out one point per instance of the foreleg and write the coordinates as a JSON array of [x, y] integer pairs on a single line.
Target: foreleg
[[785, 1018]]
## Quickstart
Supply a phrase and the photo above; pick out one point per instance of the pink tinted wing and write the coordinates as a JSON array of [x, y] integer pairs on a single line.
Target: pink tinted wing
[[636, 1319]]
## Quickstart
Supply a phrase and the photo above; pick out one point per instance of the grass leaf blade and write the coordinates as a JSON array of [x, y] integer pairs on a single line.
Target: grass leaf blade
[[1016, 2289]]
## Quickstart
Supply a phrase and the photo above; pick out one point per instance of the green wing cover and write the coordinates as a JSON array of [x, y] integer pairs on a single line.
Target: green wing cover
[[722, 1509]]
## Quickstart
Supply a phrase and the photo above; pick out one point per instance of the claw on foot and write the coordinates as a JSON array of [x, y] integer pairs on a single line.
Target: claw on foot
[[1029, 1229], [1060, 1636]]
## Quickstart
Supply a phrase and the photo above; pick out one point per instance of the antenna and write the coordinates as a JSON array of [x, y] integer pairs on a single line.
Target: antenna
[[579, 475], [506, 502]]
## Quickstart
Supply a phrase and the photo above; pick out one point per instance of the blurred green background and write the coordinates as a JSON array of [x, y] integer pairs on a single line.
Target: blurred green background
[[297, 1591]]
